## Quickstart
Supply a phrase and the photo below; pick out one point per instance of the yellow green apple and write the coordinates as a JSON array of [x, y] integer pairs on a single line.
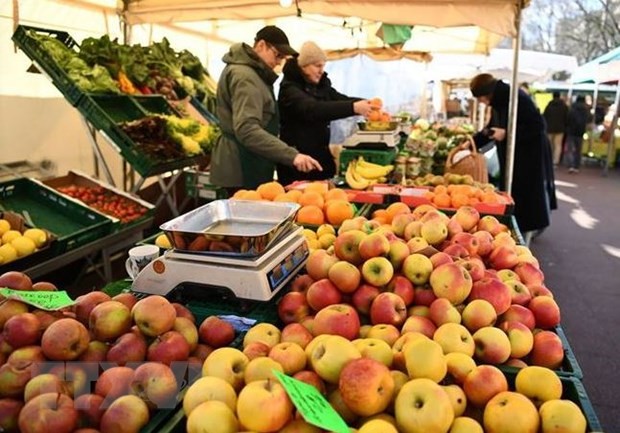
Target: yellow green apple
[[209, 388], [539, 384], [423, 406], [510, 412]]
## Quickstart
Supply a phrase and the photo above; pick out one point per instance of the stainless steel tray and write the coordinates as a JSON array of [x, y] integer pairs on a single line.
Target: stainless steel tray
[[231, 227]]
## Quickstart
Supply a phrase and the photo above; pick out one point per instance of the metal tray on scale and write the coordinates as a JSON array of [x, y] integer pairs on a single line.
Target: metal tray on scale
[[239, 228]]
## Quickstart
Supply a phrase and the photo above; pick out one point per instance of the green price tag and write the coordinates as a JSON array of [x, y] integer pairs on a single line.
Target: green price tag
[[44, 300], [312, 405]]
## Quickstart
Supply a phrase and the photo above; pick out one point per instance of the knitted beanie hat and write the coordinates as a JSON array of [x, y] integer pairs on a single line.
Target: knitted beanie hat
[[310, 53]]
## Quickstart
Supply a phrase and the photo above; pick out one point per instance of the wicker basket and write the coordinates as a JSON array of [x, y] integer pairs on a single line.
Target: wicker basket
[[473, 164]]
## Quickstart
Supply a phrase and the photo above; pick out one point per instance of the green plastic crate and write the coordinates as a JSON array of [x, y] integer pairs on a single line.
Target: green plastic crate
[[197, 185], [381, 157], [73, 223], [44, 61], [104, 112]]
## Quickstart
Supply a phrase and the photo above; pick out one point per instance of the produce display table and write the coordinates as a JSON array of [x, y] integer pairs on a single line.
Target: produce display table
[[105, 247]]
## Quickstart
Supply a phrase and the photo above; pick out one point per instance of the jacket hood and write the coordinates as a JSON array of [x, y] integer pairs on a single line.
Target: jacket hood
[[243, 54], [292, 72]]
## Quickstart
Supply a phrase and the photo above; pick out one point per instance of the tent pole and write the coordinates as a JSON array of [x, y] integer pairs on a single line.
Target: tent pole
[[513, 104], [611, 142]]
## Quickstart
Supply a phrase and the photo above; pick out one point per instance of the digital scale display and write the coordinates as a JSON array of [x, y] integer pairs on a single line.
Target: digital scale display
[[283, 269]]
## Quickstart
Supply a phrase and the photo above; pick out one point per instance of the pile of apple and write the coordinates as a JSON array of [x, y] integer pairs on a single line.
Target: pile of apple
[[411, 387], [104, 364]]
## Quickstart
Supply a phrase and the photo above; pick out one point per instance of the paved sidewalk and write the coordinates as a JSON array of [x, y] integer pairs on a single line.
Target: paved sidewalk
[[580, 255]]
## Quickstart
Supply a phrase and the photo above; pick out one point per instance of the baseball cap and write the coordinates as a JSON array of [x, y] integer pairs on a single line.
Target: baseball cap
[[275, 36]]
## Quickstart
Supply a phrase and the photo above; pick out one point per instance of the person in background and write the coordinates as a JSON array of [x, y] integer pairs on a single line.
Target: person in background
[[556, 116], [532, 184], [246, 153], [579, 116], [308, 103]]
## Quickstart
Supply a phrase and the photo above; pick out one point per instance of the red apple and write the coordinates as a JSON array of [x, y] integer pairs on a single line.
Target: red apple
[[519, 293], [468, 217], [363, 297], [452, 282], [539, 290], [345, 276], [14, 377], [366, 386], [301, 283], [478, 314], [485, 242], [96, 351], [156, 385], [127, 298], [10, 308], [521, 338], [337, 319], [169, 347], [456, 251], [547, 351], [323, 293], [188, 330], [127, 414], [318, 264], [293, 307], [468, 241], [482, 383], [65, 340], [374, 245], [16, 280], [109, 320], [296, 333], [496, 292], [420, 324], [183, 311], [347, 244], [399, 251], [311, 378], [89, 409], [85, 303], [519, 313], [44, 286], [128, 348], [49, 412], [474, 266], [388, 308], [546, 312], [440, 258], [256, 349], [46, 318], [154, 315], [442, 311], [114, 382], [424, 295], [492, 345], [529, 273], [402, 287], [490, 224], [22, 330], [216, 332], [9, 413], [503, 257]]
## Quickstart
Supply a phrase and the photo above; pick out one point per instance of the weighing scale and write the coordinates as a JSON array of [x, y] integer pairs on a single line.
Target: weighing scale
[[254, 278], [373, 139]]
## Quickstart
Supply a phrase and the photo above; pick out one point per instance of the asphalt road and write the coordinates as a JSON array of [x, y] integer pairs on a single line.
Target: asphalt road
[[580, 256]]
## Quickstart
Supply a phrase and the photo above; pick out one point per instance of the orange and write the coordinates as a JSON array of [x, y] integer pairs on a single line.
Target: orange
[[429, 195], [338, 211], [397, 208], [489, 197], [380, 213], [284, 197], [310, 215], [294, 194], [311, 198], [239, 194], [442, 200], [385, 117], [320, 187], [442, 189], [336, 194], [270, 190], [459, 199], [376, 103], [251, 195], [374, 116]]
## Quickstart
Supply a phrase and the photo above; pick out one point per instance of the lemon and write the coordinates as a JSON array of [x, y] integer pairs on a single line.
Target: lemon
[[37, 235], [310, 234], [7, 253], [5, 226], [24, 246], [325, 229], [10, 235], [314, 244], [162, 241], [327, 240]]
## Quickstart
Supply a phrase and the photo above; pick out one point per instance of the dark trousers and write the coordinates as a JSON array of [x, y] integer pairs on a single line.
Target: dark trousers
[[574, 144]]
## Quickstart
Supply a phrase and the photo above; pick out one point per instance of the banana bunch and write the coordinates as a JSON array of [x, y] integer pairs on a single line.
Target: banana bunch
[[361, 174]]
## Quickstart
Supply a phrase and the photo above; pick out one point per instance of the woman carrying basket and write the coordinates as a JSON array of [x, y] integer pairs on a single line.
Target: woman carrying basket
[[533, 187]]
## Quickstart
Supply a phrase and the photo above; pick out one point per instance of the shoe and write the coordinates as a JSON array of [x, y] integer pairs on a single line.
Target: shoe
[[572, 170]]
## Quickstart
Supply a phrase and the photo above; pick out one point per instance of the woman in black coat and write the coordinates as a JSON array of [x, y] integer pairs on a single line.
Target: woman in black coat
[[533, 187], [308, 103]]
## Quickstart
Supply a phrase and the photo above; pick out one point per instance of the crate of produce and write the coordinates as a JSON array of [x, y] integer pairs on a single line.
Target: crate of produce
[[124, 209], [158, 153], [42, 251], [573, 390], [198, 185], [381, 157], [68, 219], [27, 38], [414, 196]]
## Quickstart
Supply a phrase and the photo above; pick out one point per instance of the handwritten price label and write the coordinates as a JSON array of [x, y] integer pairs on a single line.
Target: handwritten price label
[[44, 300]]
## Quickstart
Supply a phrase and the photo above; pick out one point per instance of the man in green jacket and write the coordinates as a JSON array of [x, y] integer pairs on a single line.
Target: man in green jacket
[[248, 150]]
